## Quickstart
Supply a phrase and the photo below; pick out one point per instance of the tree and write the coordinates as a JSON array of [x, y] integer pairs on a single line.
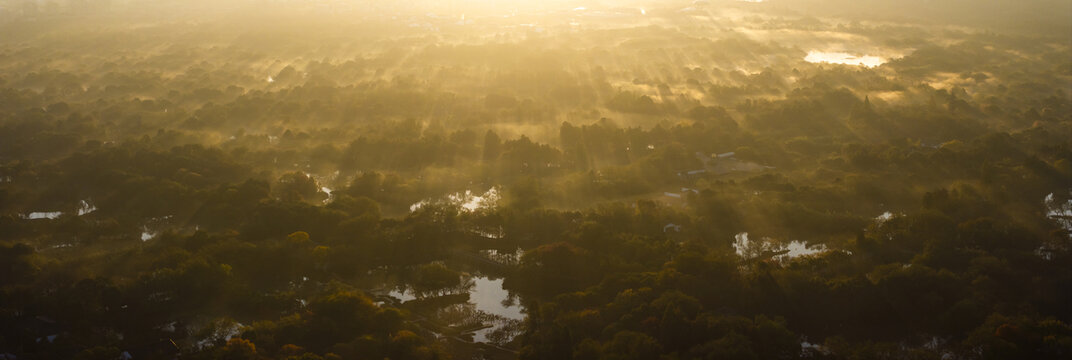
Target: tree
[[238, 349], [436, 279], [339, 317], [298, 186], [492, 147], [20, 263], [631, 345]]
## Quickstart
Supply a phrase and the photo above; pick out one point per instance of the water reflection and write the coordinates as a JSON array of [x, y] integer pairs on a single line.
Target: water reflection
[[843, 58], [754, 249], [467, 201], [84, 207], [402, 295], [492, 315], [44, 215], [489, 296], [1060, 211]]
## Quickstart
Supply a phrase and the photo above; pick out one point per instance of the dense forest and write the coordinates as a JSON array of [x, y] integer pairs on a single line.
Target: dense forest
[[820, 179]]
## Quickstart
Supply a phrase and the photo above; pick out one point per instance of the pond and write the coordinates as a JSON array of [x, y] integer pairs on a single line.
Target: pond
[[44, 215], [843, 58], [1059, 211], [402, 295], [489, 296], [147, 234], [498, 314], [156, 226], [749, 249], [466, 201], [84, 207], [328, 191]]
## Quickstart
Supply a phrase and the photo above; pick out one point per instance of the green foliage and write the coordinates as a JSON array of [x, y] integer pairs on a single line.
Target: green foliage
[[210, 213]]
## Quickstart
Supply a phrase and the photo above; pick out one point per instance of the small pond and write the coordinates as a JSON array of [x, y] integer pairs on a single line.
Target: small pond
[[747, 248], [843, 58]]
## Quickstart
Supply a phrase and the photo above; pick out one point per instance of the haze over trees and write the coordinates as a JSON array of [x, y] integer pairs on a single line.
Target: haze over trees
[[511, 179]]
